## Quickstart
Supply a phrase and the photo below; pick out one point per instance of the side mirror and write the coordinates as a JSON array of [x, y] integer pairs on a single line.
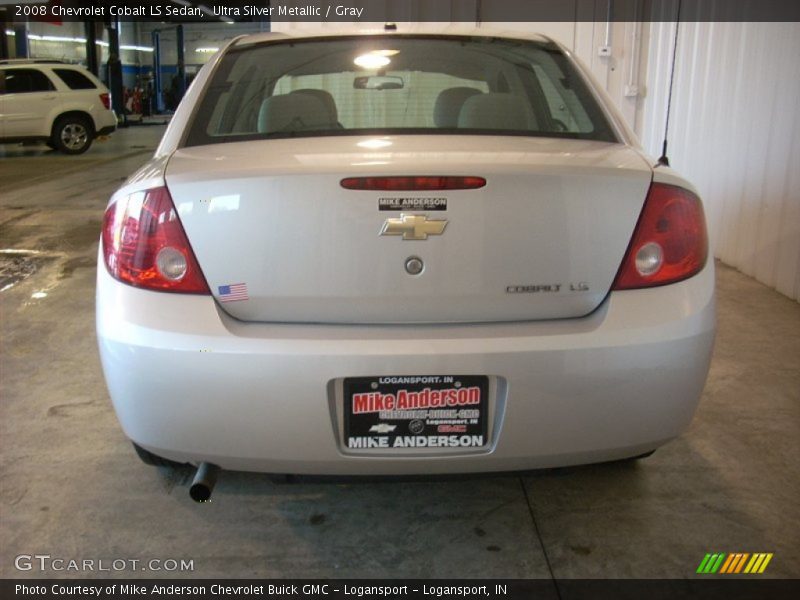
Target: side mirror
[[378, 82]]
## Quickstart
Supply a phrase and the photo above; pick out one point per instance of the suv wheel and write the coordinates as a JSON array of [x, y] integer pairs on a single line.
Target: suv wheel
[[72, 135]]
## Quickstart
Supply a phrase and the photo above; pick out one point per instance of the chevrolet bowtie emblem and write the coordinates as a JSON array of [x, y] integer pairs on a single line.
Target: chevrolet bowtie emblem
[[413, 227], [382, 428]]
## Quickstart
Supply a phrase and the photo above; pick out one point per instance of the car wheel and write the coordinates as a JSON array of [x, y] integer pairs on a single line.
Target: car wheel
[[154, 460], [72, 135]]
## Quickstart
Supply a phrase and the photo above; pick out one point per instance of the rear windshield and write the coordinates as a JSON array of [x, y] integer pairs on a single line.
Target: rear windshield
[[396, 84]]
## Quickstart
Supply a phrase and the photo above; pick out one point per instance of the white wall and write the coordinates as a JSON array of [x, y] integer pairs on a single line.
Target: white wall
[[735, 132]]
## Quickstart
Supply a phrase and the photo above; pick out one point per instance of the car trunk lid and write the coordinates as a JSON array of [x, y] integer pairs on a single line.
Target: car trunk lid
[[280, 239]]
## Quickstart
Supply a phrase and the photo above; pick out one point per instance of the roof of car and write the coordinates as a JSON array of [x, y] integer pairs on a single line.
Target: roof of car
[[456, 29], [31, 61], [42, 63]]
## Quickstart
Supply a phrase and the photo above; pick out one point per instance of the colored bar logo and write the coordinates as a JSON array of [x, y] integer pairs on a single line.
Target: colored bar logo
[[733, 563]]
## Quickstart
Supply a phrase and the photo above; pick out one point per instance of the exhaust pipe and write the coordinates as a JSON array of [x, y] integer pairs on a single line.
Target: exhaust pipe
[[204, 481]]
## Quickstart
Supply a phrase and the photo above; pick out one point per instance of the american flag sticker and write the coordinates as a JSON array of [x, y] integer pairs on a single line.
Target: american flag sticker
[[233, 292]]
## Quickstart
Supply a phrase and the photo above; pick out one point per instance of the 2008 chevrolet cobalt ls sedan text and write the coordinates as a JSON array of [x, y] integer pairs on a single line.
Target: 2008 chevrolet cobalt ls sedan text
[[402, 254]]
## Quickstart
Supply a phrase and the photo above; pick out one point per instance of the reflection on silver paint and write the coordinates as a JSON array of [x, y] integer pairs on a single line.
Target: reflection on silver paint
[[224, 203], [374, 144]]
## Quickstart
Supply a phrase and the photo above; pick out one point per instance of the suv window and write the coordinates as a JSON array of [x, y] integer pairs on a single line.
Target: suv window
[[75, 79], [26, 81], [396, 84]]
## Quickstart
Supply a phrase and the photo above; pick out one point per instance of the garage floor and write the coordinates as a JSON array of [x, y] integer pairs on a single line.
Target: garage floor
[[71, 486]]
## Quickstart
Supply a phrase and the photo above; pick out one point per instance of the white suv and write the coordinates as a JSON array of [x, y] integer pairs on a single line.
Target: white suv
[[61, 104]]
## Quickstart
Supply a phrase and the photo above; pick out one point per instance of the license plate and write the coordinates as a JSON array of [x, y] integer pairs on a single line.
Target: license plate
[[425, 411]]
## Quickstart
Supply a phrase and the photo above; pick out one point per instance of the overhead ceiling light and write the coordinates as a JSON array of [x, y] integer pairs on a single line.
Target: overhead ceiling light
[[79, 40], [371, 60], [209, 50]]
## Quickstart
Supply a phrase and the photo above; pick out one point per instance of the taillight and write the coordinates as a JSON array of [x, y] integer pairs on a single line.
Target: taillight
[[413, 184], [106, 100], [670, 242], [144, 244]]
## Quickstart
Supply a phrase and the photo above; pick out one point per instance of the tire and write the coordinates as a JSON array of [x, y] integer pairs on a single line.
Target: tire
[[72, 135], [154, 460]]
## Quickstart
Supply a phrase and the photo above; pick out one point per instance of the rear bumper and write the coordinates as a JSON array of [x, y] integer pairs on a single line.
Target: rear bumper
[[105, 122], [108, 130], [191, 384]]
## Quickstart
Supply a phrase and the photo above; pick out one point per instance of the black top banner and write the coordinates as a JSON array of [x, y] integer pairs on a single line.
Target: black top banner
[[468, 11]]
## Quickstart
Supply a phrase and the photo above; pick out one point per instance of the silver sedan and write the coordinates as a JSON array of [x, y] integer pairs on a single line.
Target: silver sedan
[[402, 254]]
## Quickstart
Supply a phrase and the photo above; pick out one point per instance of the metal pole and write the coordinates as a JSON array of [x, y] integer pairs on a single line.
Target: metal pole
[[181, 87], [158, 103], [21, 40], [3, 38], [92, 63], [115, 70]]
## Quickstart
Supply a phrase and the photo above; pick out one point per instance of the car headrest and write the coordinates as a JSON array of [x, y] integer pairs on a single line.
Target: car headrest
[[325, 98], [497, 111], [449, 103], [293, 112]]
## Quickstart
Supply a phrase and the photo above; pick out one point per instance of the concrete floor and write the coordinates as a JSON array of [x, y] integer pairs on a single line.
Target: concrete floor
[[71, 486]]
